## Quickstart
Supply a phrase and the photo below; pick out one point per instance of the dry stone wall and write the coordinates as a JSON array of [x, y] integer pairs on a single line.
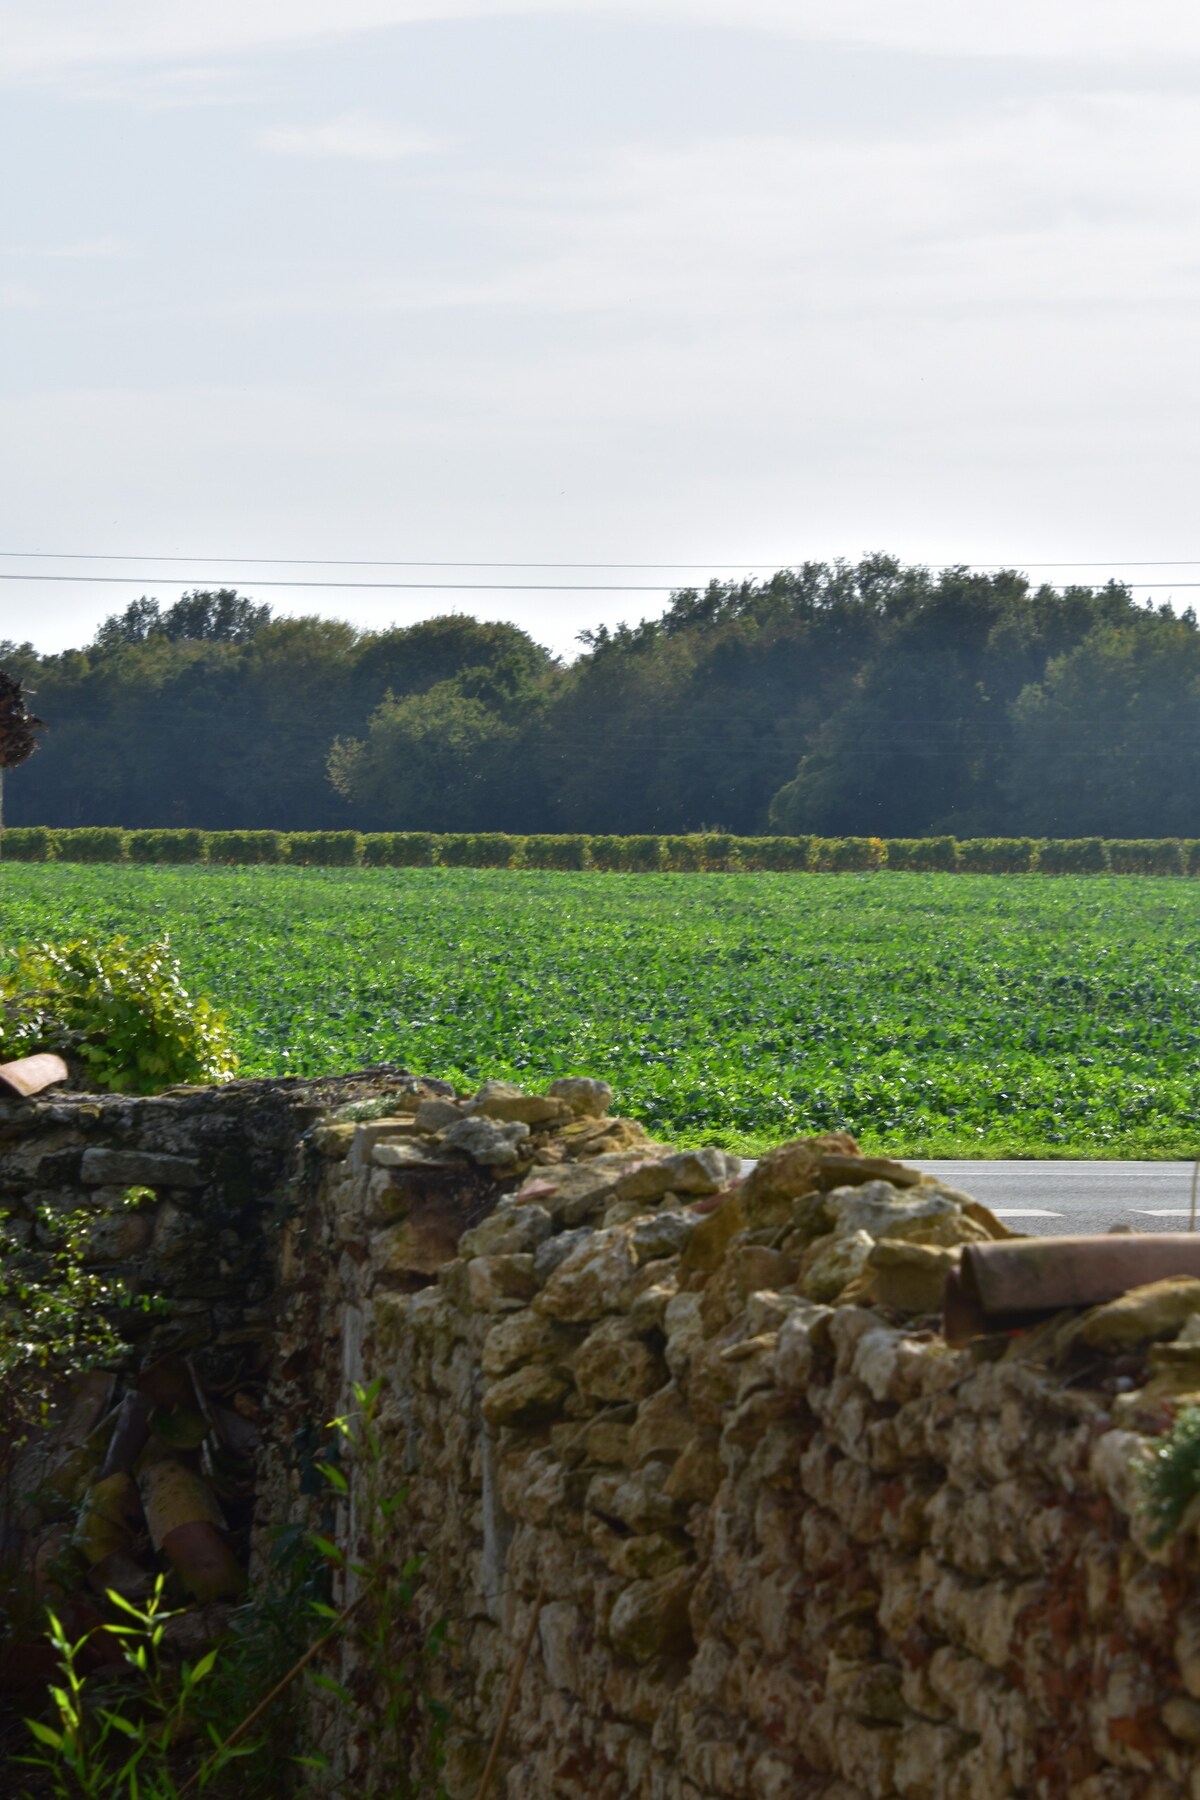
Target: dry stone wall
[[702, 1445], [697, 1441]]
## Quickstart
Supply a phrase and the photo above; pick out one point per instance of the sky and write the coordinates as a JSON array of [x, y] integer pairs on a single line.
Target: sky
[[659, 290]]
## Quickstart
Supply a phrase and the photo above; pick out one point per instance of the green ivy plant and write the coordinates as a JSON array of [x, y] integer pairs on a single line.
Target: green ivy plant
[[1170, 1478], [120, 1008]]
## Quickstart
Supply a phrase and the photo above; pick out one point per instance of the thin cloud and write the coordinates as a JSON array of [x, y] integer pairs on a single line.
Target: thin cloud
[[353, 138], [88, 250]]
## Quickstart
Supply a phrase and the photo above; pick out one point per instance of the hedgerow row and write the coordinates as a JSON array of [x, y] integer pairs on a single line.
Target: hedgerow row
[[701, 851]]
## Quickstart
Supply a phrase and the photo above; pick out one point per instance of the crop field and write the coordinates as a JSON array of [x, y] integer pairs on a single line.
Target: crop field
[[930, 1014]]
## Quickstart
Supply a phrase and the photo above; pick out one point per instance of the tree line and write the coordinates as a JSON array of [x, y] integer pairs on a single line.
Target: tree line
[[874, 698]]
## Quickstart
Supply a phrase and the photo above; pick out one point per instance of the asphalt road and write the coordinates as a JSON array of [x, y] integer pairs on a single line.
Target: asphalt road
[[1055, 1199]]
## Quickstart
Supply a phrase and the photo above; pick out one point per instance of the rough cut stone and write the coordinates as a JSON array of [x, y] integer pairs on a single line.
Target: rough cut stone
[[585, 1097], [593, 1280], [139, 1168], [502, 1100], [836, 1263], [487, 1141], [496, 1283], [651, 1618], [663, 1235], [615, 1364], [524, 1337], [528, 1397], [510, 1228]]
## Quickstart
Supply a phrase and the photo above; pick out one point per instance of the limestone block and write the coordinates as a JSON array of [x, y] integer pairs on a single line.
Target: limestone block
[[614, 1363], [648, 1308], [530, 1396], [333, 1139], [651, 1618], [663, 1235], [696, 1172], [594, 1279], [487, 1141], [375, 1131], [758, 1268], [663, 1427], [698, 1472], [685, 1332], [586, 1098], [510, 1229], [908, 1277], [416, 1153], [923, 1214], [706, 1248], [794, 1346], [835, 1264], [562, 1637], [500, 1283], [510, 1104], [138, 1168], [641, 1558], [523, 1337], [1157, 1310], [573, 1193]]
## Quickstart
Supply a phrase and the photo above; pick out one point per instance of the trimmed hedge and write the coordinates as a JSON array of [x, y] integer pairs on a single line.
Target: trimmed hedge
[[247, 846], [29, 843], [1072, 856], [836, 855], [684, 853], [325, 849], [1145, 856], [398, 849], [932, 853], [477, 850], [93, 844], [997, 855], [168, 846], [785, 854], [547, 851]]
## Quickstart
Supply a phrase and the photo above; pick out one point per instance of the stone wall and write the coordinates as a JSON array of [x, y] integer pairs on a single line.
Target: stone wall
[[697, 1440], [771, 1535]]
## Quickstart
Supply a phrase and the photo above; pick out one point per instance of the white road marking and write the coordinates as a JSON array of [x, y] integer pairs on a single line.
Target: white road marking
[[1163, 1212], [1025, 1212]]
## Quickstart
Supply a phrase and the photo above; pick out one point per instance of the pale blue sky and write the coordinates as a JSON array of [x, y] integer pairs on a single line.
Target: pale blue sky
[[691, 283]]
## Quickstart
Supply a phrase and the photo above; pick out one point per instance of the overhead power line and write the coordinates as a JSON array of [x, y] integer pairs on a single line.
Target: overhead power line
[[495, 587], [351, 562]]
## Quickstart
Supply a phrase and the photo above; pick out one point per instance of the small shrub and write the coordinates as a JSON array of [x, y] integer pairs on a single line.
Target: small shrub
[[168, 846], [548, 851], [930, 853], [784, 854], [29, 843], [845, 854], [247, 847], [997, 855], [1072, 856], [683, 855], [93, 844], [1189, 849], [122, 1010], [477, 850], [1145, 856], [325, 849], [398, 849]]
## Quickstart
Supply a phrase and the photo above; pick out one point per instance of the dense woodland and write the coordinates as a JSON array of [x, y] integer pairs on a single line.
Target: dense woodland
[[868, 698]]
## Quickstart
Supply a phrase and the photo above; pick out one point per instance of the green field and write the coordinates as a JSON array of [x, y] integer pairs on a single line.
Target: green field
[[930, 1014]]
